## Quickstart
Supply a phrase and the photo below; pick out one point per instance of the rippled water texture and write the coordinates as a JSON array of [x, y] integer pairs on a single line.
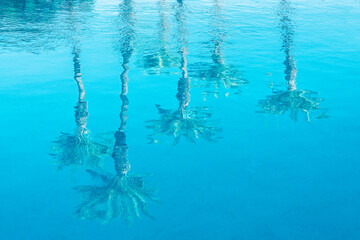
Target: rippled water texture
[[180, 120]]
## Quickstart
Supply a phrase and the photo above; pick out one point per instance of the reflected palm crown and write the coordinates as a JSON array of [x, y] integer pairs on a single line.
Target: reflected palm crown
[[188, 122], [78, 148], [292, 100], [120, 194], [217, 74]]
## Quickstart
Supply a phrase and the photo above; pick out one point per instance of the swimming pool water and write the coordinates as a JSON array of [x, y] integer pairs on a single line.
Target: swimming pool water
[[181, 120]]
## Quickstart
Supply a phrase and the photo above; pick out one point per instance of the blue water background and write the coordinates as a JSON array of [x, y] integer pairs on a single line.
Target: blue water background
[[266, 177]]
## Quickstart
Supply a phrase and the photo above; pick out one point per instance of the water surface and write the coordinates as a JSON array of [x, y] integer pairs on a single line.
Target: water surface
[[179, 119]]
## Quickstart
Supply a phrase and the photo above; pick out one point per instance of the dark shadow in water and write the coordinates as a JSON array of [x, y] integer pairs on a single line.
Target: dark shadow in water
[[217, 74], [191, 123], [291, 100], [78, 149], [119, 195], [38, 25]]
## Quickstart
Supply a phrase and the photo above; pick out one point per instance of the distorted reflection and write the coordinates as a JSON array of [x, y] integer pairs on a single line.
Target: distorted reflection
[[41, 25], [191, 123], [292, 100], [160, 56], [78, 148], [217, 74], [120, 194]]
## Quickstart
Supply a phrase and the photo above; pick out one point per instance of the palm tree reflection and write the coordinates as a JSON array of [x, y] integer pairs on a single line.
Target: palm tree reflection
[[217, 74], [189, 122], [78, 148], [120, 194], [161, 57], [292, 100]]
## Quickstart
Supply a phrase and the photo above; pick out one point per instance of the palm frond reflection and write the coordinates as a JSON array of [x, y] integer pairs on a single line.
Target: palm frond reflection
[[192, 123], [78, 149], [119, 195], [217, 74], [291, 100], [157, 53]]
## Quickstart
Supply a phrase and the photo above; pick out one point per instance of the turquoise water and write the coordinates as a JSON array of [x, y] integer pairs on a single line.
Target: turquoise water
[[180, 120]]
